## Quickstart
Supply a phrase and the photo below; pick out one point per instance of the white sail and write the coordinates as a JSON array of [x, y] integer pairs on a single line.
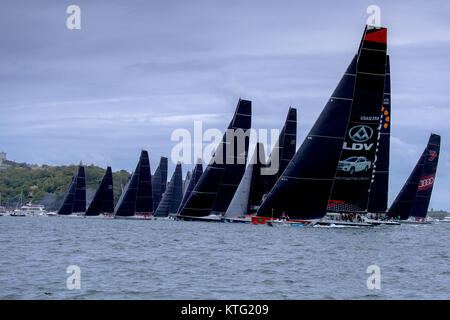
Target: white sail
[[239, 203]]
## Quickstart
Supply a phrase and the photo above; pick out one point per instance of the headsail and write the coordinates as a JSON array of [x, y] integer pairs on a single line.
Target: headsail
[[103, 201], [171, 199], [218, 183], [249, 188], [304, 188]]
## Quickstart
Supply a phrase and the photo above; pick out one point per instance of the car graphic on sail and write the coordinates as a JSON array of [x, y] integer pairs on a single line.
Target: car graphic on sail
[[354, 164]]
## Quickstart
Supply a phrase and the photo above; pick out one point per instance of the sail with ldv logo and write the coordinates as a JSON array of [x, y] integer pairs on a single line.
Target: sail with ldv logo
[[351, 187], [303, 190]]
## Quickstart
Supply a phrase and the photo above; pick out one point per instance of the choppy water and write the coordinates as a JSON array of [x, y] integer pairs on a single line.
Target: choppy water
[[125, 259]]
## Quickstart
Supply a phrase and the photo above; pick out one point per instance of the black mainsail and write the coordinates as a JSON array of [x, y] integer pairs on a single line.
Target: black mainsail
[[144, 198], [283, 151], [159, 181], [103, 201], [75, 198], [414, 197], [351, 187], [217, 185], [195, 177], [126, 206], [304, 188], [378, 198], [171, 199]]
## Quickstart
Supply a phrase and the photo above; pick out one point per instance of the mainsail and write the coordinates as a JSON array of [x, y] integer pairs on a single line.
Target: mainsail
[[75, 198], [217, 185], [283, 151], [171, 199], [250, 187], [187, 181], [414, 197], [126, 206], [304, 188], [159, 181], [103, 201], [144, 199], [378, 198], [351, 187], [195, 177]]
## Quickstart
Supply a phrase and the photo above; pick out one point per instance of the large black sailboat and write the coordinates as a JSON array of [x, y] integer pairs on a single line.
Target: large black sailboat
[[159, 182], [171, 199], [75, 199], [414, 197], [127, 206], [103, 201], [217, 185], [144, 197], [353, 111]]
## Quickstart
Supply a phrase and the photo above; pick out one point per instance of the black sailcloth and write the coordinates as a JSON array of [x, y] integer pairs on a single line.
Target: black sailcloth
[[195, 177], [75, 198], [144, 198], [401, 207], [103, 201], [159, 181], [216, 187], [351, 187], [171, 199]]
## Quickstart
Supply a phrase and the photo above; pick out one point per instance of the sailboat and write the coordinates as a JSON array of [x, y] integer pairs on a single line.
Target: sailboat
[[414, 198], [103, 201], [159, 182], [136, 197], [17, 211], [213, 193], [349, 121], [74, 202], [195, 177], [171, 199], [250, 190], [354, 173], [186, 181]]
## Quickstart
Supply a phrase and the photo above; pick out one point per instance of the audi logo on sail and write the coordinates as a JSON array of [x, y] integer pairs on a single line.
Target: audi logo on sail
[[360, 133], [426, 182]]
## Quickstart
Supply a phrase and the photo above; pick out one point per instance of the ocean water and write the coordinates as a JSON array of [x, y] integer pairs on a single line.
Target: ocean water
[[134, 259]]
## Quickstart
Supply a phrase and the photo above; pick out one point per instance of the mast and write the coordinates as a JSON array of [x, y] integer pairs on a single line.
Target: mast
[[103, 201], [378, 198], [217, 185], [171, 199], [304, 188]]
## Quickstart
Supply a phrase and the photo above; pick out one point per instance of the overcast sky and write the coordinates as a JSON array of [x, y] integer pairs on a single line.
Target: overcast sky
[[137, 70]]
